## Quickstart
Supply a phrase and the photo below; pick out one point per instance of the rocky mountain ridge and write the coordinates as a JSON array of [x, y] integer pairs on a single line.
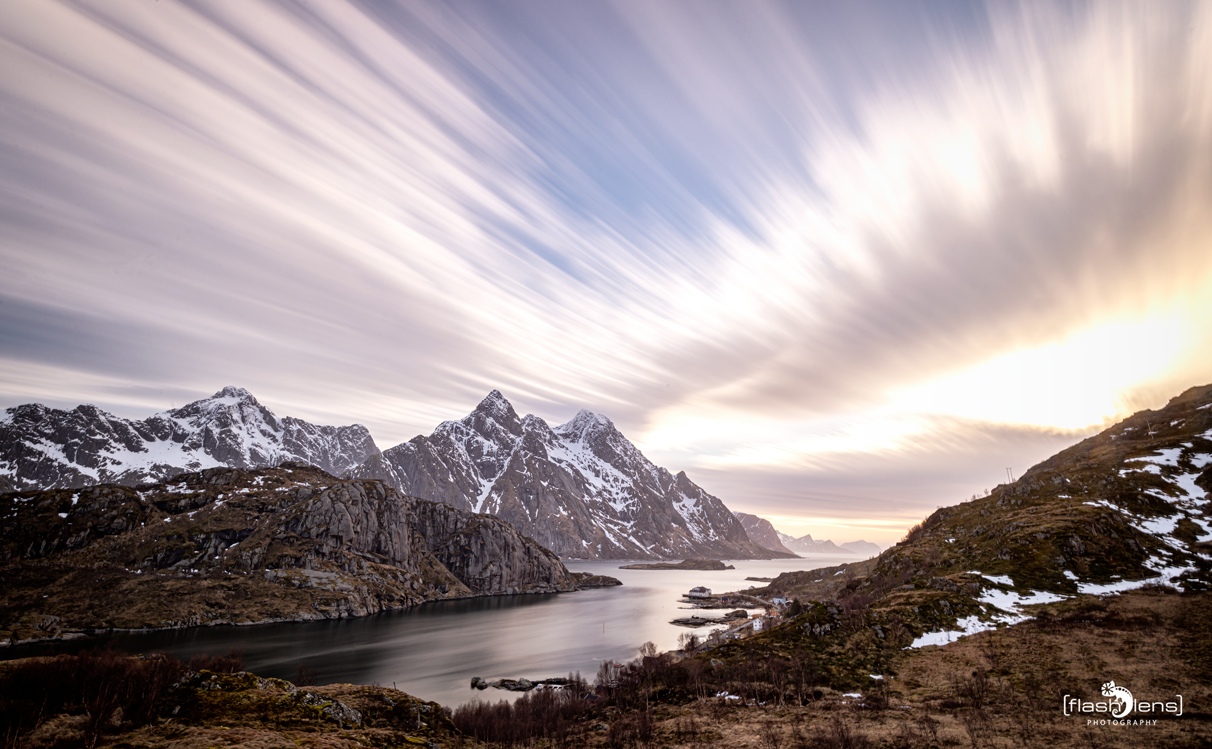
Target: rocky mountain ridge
[[46, 448], [808, 545], [230, 546], [581, 488], [761, 532]]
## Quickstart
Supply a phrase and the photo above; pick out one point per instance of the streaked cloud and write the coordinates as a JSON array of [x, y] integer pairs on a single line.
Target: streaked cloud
[[788, 246]]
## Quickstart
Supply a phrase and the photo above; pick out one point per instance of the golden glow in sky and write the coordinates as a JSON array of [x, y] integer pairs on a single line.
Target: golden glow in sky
[[1071, 385]]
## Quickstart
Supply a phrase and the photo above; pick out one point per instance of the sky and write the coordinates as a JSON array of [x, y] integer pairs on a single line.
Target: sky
[[843, 263]]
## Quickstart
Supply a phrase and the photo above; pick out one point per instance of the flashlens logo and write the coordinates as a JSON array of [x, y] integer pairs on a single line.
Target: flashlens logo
[[1119, 704], [1119, 695]]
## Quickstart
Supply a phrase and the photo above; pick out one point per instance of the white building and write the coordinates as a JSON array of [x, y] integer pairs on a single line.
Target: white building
[[699, 592]]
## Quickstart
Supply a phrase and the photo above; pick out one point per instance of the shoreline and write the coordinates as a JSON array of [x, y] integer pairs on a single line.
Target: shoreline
[[75, 635]]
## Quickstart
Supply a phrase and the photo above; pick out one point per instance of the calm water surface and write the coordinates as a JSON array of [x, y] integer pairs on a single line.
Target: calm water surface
[[433, 650]]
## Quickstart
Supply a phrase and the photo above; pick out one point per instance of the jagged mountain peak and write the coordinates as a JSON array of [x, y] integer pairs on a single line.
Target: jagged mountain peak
[[495, 402], [581, 489], [584, 424], [492, 415], [237, 393], [227, 397]]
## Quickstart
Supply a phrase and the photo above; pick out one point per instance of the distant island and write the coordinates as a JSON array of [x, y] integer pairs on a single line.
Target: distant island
[[685, 564]]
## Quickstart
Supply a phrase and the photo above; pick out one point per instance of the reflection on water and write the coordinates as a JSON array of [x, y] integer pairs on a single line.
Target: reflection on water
[[433, 650]]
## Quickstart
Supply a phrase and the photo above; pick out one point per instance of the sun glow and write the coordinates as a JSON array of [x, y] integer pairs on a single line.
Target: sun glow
[[1070, 385]]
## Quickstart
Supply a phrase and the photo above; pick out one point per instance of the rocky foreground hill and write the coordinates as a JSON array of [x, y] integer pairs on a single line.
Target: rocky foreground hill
[[1085, 581], [1123, 510], [581, 489], [46, 448], [224, 545]]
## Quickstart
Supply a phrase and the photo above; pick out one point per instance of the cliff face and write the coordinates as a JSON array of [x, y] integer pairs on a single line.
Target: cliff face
[[224, 545], [762, 532], [486, 553], [581, 489]]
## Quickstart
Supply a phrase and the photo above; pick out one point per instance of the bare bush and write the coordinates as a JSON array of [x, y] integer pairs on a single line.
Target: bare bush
[[231, 663], [975, 689], [543, 714], [837, 735], [770, 736], [89, 694], [305, 676]]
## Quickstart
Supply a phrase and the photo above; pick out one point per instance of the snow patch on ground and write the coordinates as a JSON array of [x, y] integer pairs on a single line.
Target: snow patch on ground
[[1167, 457], [1008, 600], [969, 625], [999, 579], [1007, 608], [1147, 468], [1166, 576]]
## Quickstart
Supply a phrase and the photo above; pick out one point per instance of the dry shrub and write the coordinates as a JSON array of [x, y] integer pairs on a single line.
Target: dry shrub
[[837, 735], [770, 736], [974, 689], [71, 700], [631, 730], [305, 676], [543, 714], [231, 663]]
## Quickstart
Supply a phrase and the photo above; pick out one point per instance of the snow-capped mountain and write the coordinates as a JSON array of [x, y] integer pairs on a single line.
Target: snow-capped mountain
[[580, 489], [45, 448]]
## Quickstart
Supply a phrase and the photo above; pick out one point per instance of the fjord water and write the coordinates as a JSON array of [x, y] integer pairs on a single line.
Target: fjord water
[[433, 650]]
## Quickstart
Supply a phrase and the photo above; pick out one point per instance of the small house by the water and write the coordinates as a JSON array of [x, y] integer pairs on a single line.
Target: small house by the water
[[699, 592]]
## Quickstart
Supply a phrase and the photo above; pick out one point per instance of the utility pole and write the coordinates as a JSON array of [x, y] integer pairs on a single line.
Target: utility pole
[[1010, 474]]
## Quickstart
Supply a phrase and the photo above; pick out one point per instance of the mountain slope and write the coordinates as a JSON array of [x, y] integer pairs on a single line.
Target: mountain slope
[[1125, 511], [225, 545], [1128, 504], [864, 549], [762, 532], [580, 489], [45, 448]]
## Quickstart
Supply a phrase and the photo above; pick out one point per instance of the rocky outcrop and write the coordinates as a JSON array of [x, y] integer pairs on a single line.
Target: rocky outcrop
[[581, 489], [46, 448], [224, 545], [486, 553], [709, 565]]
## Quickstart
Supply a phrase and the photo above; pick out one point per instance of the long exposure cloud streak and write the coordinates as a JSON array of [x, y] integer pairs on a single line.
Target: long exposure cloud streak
[[821, 241]]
